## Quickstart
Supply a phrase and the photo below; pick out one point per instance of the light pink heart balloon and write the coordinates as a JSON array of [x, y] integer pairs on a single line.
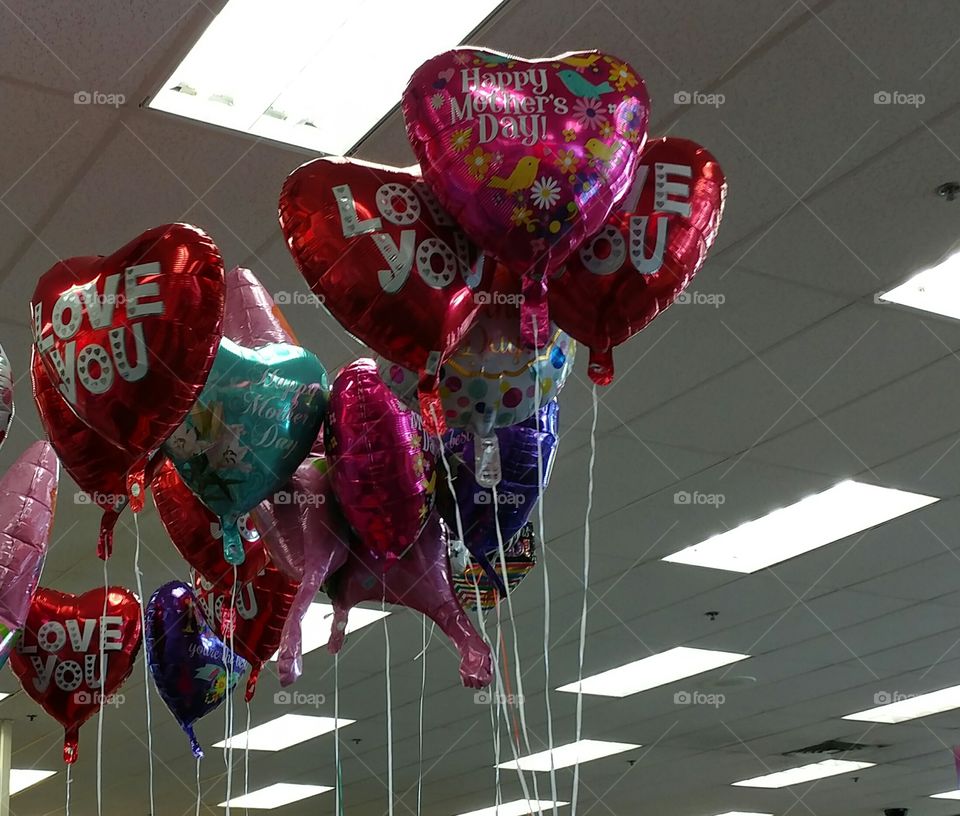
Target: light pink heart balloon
[[250, 316]]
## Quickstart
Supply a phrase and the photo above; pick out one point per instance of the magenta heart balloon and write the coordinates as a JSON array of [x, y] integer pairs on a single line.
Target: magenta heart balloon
[[530, 156]]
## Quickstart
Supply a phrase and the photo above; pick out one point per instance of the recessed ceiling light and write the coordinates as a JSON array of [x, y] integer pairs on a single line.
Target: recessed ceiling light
[[815, 521], [953, 794], [281, 733], [521, 807], [923, 705], [21, 779], [274, 796], [935, 290], [566, 755], [805, 773], [316, 624], [656, 670], [330, 72]]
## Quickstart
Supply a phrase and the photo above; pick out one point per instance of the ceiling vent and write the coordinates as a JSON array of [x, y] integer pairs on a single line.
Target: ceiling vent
[[832, 748]]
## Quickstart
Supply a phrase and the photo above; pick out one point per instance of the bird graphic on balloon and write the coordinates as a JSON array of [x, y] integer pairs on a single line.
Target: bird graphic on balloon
[[521, 178], [581, 86]]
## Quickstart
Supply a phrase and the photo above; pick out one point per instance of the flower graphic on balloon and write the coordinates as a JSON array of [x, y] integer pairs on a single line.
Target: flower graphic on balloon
[[460, 140], [621, 76], [478, 163], [567, 160], [588, 113], [545, 192]]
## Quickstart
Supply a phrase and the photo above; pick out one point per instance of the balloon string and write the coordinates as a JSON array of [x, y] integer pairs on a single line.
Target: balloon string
[[246, 757], [69, 781], [336, 732], [546, 585], [198, 786], [103, 689], [386, 637], [586, 585], [423, 686], [146, 669]]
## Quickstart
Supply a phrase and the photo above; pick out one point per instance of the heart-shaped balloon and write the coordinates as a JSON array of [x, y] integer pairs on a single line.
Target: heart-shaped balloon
[[8, 641], [193, 669], [58, 657], [252, 426], [530, 156], [253, 625], [380, 468], [383, 258], [646, 253], [197, 535], [471, 580], [128, 339], [6, 395], [28, 496], [250, 317]]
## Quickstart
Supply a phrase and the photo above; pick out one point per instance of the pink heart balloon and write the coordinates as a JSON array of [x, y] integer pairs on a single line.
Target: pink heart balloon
[[383, 477], [250, 317], [28, 493], [530, 156]]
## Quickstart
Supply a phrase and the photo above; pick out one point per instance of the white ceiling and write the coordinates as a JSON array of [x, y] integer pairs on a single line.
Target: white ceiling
[[798, 379]]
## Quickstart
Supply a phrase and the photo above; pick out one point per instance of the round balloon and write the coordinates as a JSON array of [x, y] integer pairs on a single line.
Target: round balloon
[[470, 579], [252, 426]]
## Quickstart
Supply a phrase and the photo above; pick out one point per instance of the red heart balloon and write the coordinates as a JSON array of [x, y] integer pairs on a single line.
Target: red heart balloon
[[646, 253], [253, 625], [384, 258], [196, 533], [58, 657], [530, 156], [128, 339]]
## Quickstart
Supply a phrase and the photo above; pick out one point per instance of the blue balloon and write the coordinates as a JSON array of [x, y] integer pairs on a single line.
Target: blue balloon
[[189, 663], [253, 425]]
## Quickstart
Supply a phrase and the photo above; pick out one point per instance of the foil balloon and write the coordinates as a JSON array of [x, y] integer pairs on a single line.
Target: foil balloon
[[381, 472], [251, 427], [471, 581], [197, 535], [420, 581], [490, 380], [28, 494], [97, 465], [128, 339], [510, 503], [252, 624], [646, 253], [530, 156], [6, 395], [307, 538], [250, 317], [384, 259], [58, 657], [193, 669], [8, 641]]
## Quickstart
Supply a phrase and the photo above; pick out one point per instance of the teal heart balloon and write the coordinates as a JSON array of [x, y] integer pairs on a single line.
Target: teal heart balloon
[[254, 423]]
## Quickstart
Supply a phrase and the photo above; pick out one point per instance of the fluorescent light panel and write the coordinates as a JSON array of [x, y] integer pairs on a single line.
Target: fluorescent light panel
[[935, 290], [319, 618], [283, 732], [566, 755], [21, 779], [318, 75], [815, 521], [953, 794], [743, 813], [805, 773], [520, 807], [656, 670], [922, 705], [274, 796]]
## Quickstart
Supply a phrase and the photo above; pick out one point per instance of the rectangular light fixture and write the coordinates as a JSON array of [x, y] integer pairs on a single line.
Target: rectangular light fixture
[[317, 75], [656, 670], [566, 755], [274, 796], [21, 779], [814, 521], [520, 807], [935, 290], [743, 813], [805, 773], [319, 617], [953, 794], [283, 732], [923, 705]]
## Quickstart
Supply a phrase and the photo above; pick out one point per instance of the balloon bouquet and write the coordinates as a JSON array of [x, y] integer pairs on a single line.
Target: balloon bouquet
[[539, 218]]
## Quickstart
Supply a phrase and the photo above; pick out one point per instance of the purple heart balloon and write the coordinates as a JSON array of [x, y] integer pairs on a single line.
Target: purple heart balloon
[[187, 660]]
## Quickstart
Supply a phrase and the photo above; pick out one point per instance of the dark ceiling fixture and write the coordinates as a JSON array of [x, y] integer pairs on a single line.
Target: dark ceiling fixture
[[949, 190]]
